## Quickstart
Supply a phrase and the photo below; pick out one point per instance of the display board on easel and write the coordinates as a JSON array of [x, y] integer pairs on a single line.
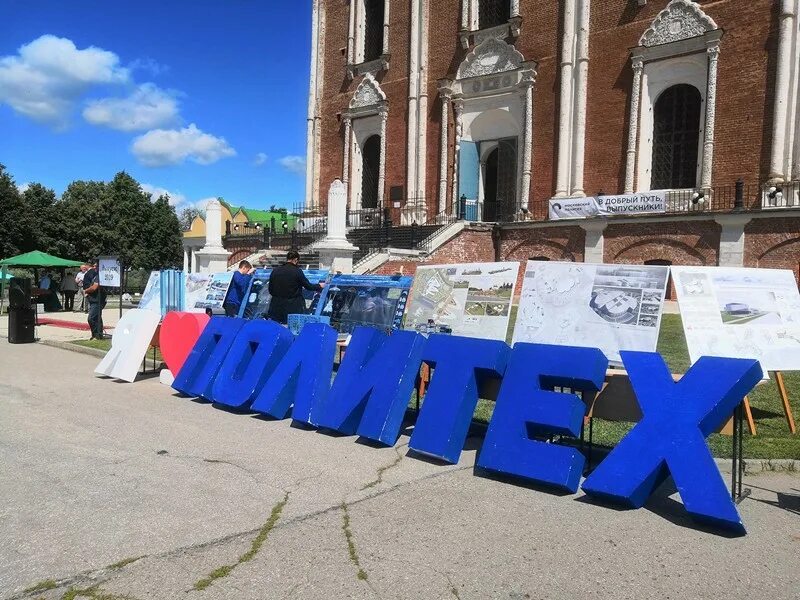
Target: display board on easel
[[471, 299], [742, 313], [610, 307]]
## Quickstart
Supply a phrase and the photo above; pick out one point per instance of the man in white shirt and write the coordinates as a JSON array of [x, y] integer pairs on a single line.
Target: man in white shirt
[[79, 282]]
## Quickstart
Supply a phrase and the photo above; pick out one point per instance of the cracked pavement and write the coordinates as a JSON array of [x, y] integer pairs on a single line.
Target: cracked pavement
[[93, 472]]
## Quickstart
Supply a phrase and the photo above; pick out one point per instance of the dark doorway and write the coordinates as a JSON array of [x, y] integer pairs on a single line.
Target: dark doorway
[[500, 182], [676, 135], [371, 159]]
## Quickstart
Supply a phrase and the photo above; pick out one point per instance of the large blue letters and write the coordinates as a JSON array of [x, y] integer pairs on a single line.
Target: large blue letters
[[670, 438], [303, 378], [523, 408], [373, 386], [461, 365], [252, 358], [197, 374]]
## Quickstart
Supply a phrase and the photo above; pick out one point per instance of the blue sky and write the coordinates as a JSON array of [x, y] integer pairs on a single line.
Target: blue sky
[[202, 98]]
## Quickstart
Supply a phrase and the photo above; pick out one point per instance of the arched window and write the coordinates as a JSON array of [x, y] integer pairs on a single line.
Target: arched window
[[371, 161], [373, 29], [493, 12], [676, 135]]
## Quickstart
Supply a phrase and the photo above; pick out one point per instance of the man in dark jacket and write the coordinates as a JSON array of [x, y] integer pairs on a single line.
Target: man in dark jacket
[[286, 284]]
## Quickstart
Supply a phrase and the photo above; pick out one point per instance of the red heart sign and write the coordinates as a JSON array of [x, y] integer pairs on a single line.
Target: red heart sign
[[179, 333]]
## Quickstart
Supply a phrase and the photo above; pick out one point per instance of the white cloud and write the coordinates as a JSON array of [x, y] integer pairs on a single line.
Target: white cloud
[[146, 108], [175, 198], [293, 164], [46, 77], [23, 186], [161, 147], [149, 65], [260, 159]]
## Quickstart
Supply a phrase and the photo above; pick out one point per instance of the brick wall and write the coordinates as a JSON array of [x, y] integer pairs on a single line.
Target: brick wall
[[679, 242], [553, 243], [773, 244], [744, 89]]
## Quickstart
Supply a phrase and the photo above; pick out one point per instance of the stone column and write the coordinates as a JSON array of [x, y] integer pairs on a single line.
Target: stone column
[[528, 80], [465, 6], [351, 34], [335, 252], [386, 26], [565, 119], [594, 244], [731, 241], [346, 152], [384, 114], [711, 111], [458, 108], [581, 92], [781, 110], [185, 259], [514, 8], [444, 96], [633, 124], [212, 258]]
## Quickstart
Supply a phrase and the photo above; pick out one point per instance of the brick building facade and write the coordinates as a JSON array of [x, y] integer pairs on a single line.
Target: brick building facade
[[490, 109]]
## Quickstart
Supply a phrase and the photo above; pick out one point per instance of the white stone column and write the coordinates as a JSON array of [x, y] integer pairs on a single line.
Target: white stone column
[[465, 6], [731, 241], [335, 251], [581, 91], [458, 108], [384, 115], [528, 80], [783, 80], [312, 108], [706, 169], [633, 124], [594, 243], [346, 152], [351, 33], [212, 258], [185, 259], [566, 102], [386, 27], [444, 96], [413, 98], [514, 8], [421, 214]]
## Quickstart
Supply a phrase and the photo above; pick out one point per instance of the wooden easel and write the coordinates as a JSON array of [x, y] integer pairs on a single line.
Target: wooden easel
[[787, 408]]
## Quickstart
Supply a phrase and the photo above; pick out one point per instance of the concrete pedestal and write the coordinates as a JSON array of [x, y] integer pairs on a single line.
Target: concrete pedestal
[[211, 260]]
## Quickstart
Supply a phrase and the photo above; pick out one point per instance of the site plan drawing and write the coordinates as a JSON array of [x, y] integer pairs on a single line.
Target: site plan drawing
[[472, 299], [611, 307]]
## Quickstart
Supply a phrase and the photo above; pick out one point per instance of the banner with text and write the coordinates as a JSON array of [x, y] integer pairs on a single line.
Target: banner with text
[[604, 206]]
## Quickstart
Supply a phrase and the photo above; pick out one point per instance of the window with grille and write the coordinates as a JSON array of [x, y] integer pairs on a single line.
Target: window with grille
[[370, 168], [676, 135], [373, 29], [493, 12]]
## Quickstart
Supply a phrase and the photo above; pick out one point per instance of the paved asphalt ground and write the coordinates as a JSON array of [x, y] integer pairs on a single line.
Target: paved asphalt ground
[[95, 472]]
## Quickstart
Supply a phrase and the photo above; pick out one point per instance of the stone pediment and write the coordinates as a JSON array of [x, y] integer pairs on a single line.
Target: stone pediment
[[680, 20], [368, 94], [489, 57]]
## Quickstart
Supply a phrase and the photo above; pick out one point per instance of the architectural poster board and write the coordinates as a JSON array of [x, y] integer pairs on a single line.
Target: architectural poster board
[[206, 290], [472, 299], [741, 313], [611, 307], [151, 298], [372, 300]]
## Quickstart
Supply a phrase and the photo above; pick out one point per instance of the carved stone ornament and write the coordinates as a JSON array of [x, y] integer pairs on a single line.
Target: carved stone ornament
[[680, 20], [368, 93], [489, 57]]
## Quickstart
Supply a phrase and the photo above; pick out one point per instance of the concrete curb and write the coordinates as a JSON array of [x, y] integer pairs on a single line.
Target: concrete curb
[[761, 465], [74, 348]]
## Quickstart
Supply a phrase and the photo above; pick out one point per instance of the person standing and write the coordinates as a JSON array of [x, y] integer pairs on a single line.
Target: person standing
[[79, 283], [238, 289], [286, 285], [69, 288], [94, 300]]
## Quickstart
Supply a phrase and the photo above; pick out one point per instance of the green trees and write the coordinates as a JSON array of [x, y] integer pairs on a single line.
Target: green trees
[[92, 218]]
